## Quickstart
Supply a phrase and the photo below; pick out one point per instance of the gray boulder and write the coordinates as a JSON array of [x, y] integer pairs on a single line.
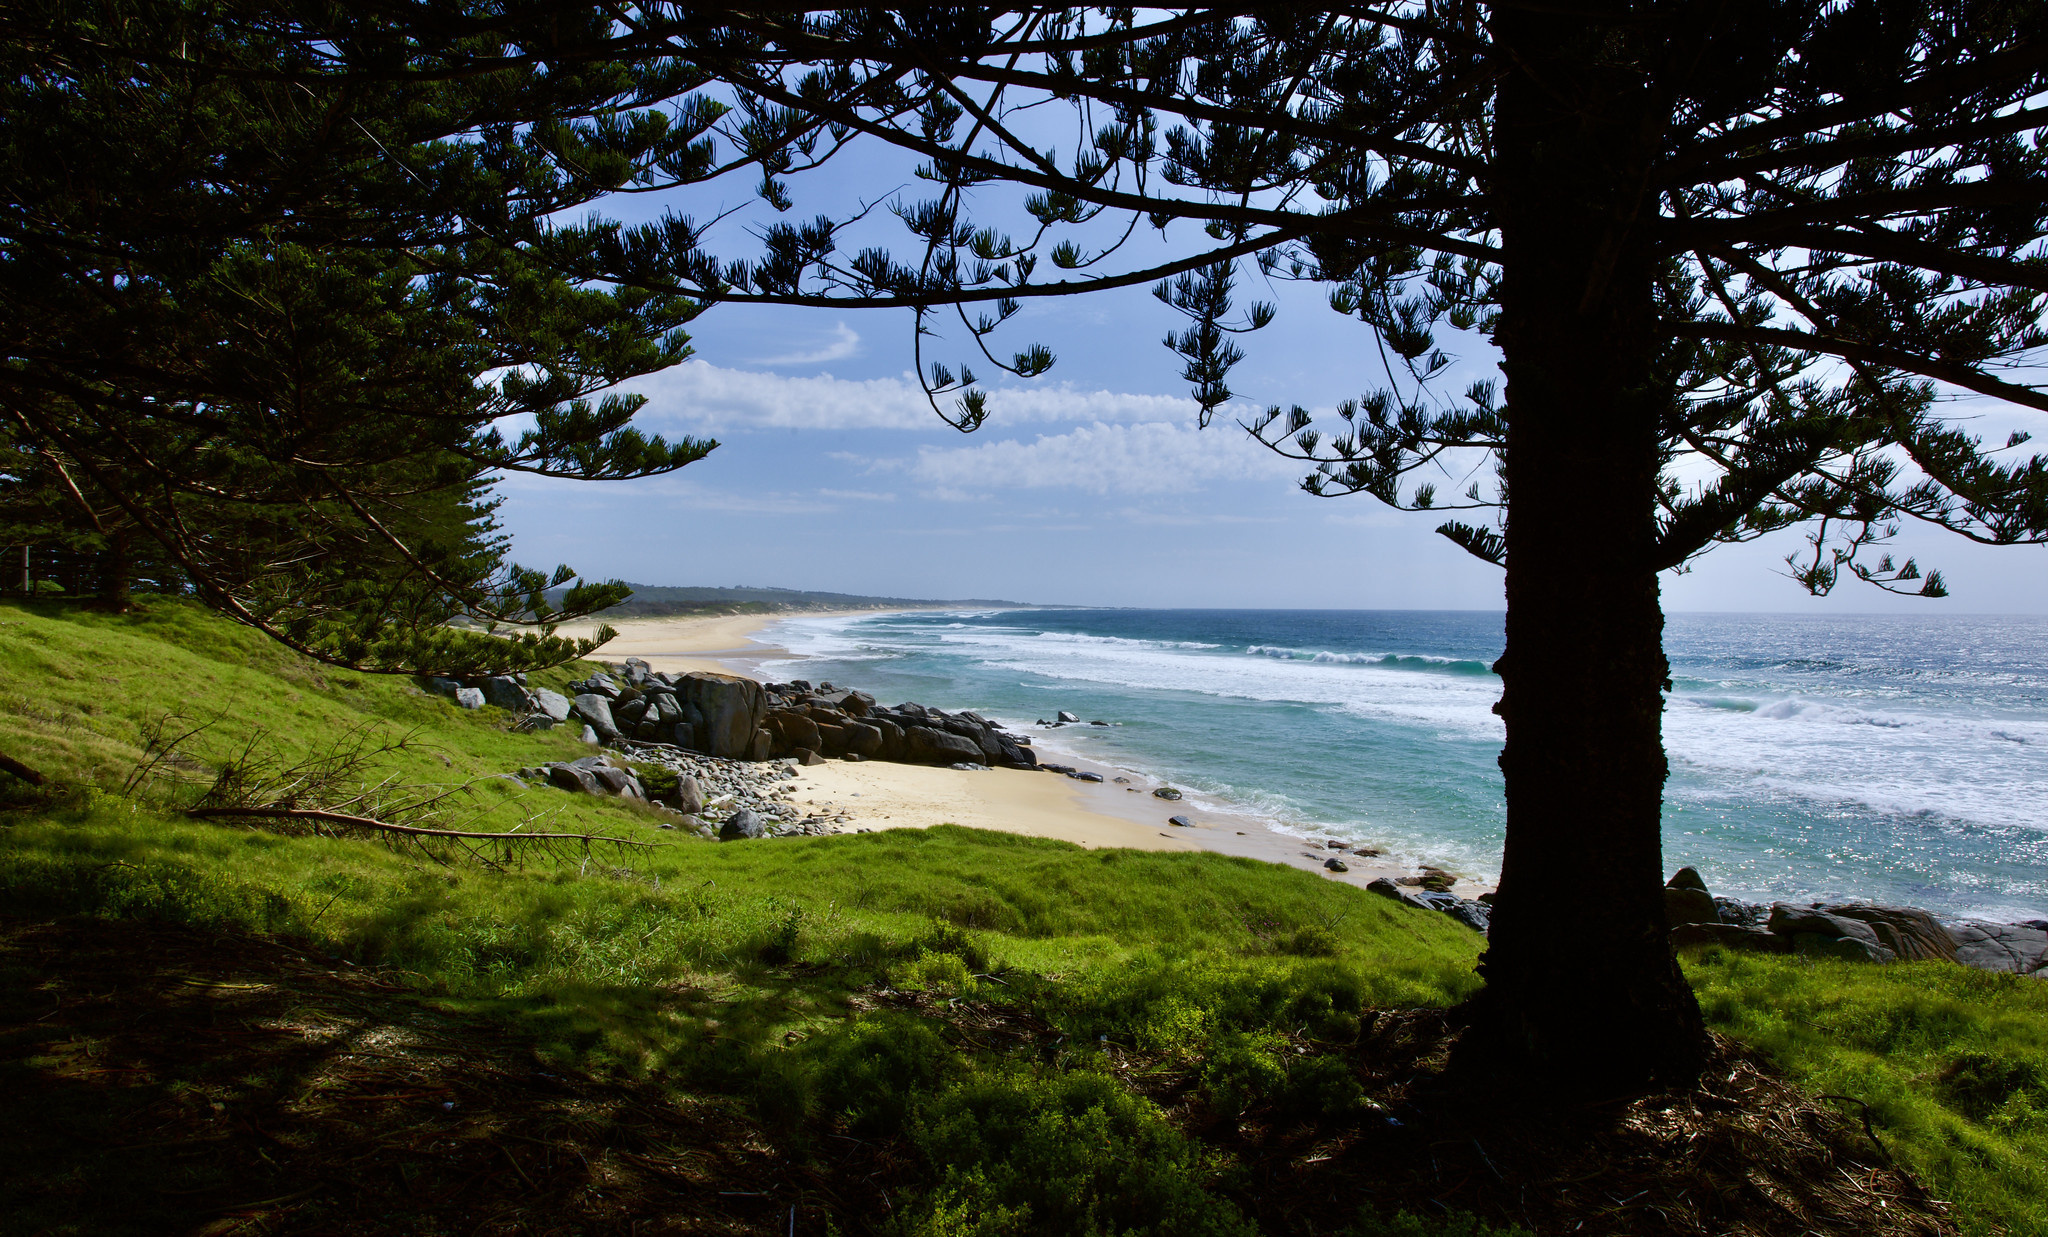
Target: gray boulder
[[444, 687], [1477, 916], [1730, 936], [469, 698], [1683, 904], [1388, 889], [1741, 914], [1334, 864], [725, 711], [1912, 934], [501, 691], [1166, 792], [1085, 777], [689, 795], [596, 711], [1848, 948], [1065, 716], [1182, 821], [1789, 920], [923, 745], [589, 734], [740, 825], [619, 782], [569, 777], [2016, 949], [553, 705], [1687, 878]]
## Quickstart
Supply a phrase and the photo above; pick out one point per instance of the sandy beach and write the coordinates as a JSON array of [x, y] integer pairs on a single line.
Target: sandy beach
[[1119, 811]]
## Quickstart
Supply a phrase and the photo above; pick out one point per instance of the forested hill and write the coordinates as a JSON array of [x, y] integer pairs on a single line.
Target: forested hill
[[652, 601]]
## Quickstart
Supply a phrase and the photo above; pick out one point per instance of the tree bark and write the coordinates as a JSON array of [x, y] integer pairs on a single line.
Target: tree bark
[[1581, 988], [117, 565]]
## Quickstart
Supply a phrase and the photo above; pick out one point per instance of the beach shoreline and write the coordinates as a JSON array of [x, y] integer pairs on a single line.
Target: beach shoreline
[[1119, 811]]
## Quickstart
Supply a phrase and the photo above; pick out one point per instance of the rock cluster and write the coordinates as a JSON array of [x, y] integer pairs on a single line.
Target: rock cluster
[[1859, 931], [823, 721], [1474, 915], [710, 797]]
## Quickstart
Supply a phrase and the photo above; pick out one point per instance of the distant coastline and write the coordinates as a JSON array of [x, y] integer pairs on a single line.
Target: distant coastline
[[672, 601]]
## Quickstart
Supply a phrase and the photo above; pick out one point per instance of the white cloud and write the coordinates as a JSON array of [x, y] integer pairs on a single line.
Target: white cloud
[[859, 495], [845, 343], [1155, 457], [697, 396]]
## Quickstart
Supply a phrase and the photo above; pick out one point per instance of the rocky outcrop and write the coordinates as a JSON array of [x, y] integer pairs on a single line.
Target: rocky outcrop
[[1857, 931], [850, 725]]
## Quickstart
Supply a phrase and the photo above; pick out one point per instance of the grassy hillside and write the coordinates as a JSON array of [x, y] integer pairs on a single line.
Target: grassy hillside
[[1031, 1037]]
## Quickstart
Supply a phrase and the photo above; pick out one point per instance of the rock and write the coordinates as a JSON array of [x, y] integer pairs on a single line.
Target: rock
[[501, 691], [444, 687], [589, 735], [1098, 723], [965, 766], [863, 739], [793, 728], [629, 712], [1685, 904], [1334, 864], [569, 777], [1121, 780], [805, 756], [553, 705], [923, 745], [1057, 768], [1730, 936], [1686, 878], [1477, 916], [1741, 914], [1795, 921], [1912, 934], [469, 698], [1166, 792], [1388, 889], [1849, 948], [1065, 716], [689, 795], [741, 824], [596, 711], [2016, 949], [764, 746], [1085, 777], [1182, 821], [619, 782], [725, 711], [1437, 901]]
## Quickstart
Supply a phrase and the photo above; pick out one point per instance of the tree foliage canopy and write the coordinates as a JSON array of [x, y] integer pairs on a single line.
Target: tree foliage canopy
[[275, 319]]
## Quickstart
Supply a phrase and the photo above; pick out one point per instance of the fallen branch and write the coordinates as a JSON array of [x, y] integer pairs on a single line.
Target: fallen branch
[[365, 822], [11, 765]]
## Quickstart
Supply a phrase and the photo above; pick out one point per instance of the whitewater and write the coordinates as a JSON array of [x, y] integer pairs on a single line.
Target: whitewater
[[1894, 758]]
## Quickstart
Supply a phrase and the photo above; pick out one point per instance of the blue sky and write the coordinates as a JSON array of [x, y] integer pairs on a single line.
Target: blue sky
[[1089, 485]]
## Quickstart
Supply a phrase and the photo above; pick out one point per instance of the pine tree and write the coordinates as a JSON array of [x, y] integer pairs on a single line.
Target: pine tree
[[269, 320], [1732, 257]]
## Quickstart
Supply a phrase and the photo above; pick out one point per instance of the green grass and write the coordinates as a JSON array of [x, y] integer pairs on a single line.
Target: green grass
[[1952, 1062], [731, 968]]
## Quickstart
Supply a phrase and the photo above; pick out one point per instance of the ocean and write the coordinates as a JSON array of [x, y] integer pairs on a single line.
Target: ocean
[[1897, 759]]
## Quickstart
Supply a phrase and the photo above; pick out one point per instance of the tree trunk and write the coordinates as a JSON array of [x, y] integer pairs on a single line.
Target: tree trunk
[[1581, 988], [117, 566]]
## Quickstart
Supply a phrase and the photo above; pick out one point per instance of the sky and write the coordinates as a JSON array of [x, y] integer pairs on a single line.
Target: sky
[[1090, 485]]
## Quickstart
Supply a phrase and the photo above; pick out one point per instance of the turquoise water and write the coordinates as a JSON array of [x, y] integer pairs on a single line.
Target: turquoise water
[[1900, 759]]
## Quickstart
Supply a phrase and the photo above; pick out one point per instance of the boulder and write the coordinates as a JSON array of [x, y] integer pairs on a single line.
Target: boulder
[[664, 707], [1848, 948], [1388, 889], [965, 766], [500, 690], [794, 728], [1335, 864], [553, 705], [1686, 878], [569, 777], [923, 745], [1912, 934], [1741, 914], [469, 698], [764, 746], [741, 824], [1057, 768], [1685, 904], [1182, 821], [1794, 921], [725, 710], [2016, 949], [805, 756], [1477, 916], [1085, 777], [689, 795], [1065, 716], [1166, 792], [863, 739], [619, 782], [1730, 936], [629, 712], [684, 734], [444, 687], [597, 712], [589, 734]]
